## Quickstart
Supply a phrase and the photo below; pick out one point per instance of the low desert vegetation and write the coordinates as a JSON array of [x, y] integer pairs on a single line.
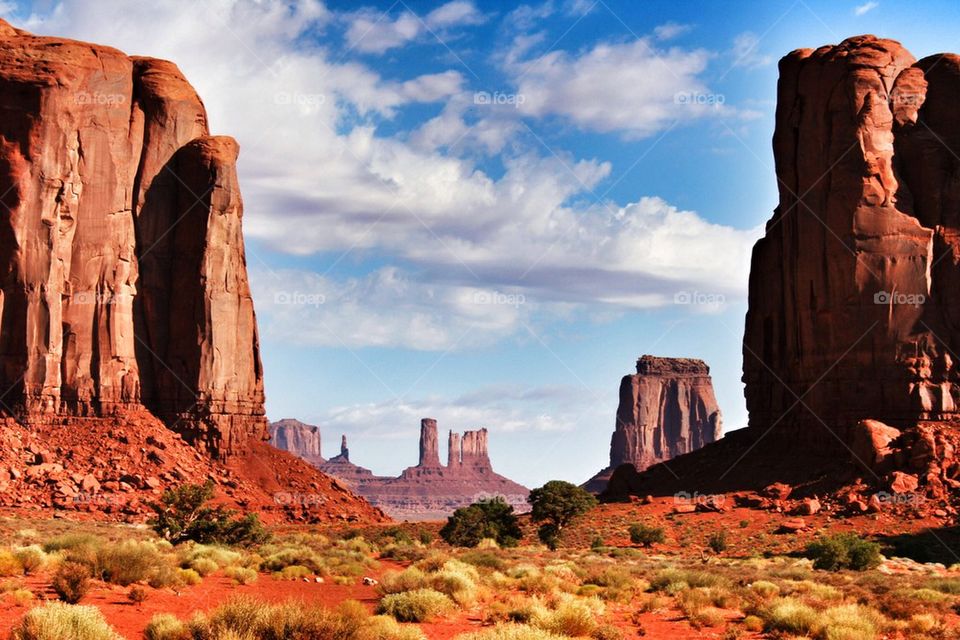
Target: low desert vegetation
[[827, 589], [484, 520]]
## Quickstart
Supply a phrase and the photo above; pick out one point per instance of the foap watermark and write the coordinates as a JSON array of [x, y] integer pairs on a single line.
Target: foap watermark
[[499, 298], [697, 499], [299, 298], [100, 99], [293, 498], [499, 98], [298, 99], [700, 298], [896, 297], [98, 298], [907, 97], [699, 99], [485, 497], [906, 499]]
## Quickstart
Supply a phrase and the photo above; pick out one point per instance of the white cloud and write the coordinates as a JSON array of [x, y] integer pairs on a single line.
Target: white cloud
[[865, 8], [317, 177], [746, 53], [670, 30], [372, 31], [631, 87], [383, 309]]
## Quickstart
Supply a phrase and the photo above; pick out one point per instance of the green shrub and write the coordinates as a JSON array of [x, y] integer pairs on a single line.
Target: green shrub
[[555, 505], [59, 621], [843, 551], [493, 519], [183, 514], [71, 582], [646, 535], [718, 541], [165, 626], [418, 605]]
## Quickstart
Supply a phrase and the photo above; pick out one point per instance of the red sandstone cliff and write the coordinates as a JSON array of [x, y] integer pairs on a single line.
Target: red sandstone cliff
[[124, 297], [121, 256], [666, 409]]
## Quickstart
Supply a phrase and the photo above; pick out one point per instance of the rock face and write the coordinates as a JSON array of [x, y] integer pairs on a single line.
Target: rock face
[[666, 409], [300, 439], [854, 298], [431, 490], [123, 280]]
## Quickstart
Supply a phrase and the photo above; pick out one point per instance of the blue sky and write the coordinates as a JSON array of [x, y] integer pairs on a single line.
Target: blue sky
[[484, 212]]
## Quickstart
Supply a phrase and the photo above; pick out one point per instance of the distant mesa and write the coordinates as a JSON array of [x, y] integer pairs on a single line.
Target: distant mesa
[[667, 408], [429, 490], [299, 438]]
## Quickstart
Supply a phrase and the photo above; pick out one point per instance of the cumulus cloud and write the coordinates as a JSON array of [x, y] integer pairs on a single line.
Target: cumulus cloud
[[630, 87], [670, 30], [372, 31], [318, 177]]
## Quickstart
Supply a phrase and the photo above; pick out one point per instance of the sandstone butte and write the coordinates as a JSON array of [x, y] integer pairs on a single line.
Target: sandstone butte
[[667, 408], [430, 490], [849, 352], [129, 356]]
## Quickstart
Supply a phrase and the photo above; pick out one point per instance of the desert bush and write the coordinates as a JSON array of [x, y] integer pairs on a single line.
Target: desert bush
[[278, 557], [555, 505], [76, 547], [718, 541], [31, 558], [570, 618], [946, 585], [293, 572], [189, 577], [789, 615], [676, 580], [646, 535], [487, 519], [203, 566], [71, 582], [183, 513], [485, 559], [241, 575], [21, 597], [399, 581], [418, 605], [607, 632], [10, 564], [512, 631], [59, 621], [166, 575], [246, 618], [137, 594], [764, 589], [849, 622], [843, 551], [165, 626], [387, 628], [128, 561]]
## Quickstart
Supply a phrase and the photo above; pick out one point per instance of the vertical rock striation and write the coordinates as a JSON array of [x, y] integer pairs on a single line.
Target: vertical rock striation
[[666, 409], [123, 278], [854, 302], [429, 444]]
